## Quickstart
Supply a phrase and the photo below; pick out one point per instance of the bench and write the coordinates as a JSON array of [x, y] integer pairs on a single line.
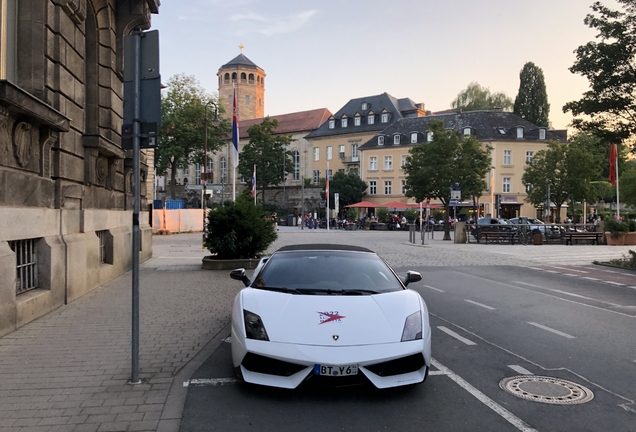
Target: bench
[[576, 236], [499, 236]]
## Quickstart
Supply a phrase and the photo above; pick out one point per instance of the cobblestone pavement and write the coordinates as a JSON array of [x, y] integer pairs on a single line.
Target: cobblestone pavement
[[68, 370]]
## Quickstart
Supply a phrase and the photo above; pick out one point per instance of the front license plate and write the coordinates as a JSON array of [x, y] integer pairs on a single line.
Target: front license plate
[[327, 370]]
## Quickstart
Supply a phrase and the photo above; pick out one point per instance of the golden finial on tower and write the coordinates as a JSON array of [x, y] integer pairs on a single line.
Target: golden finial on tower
[[241, 47]]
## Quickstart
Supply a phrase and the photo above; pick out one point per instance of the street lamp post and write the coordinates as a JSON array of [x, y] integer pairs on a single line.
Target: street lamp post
[[204, 174]]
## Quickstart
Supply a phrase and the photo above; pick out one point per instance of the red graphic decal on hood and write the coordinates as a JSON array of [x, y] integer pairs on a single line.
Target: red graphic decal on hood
[[331, 316]]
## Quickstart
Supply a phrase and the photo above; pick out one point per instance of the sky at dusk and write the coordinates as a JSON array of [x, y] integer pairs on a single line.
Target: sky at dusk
[[321, 54]]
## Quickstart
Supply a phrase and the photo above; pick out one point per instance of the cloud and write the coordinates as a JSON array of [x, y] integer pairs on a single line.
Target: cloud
[[273, 26]]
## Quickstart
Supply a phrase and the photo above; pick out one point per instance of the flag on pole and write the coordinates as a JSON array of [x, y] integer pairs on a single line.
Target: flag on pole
[[254, 183], [235, 133], [613, 165], [327, 181]]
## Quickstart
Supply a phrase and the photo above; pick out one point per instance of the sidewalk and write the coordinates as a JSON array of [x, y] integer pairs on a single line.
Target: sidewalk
[[67, 371]]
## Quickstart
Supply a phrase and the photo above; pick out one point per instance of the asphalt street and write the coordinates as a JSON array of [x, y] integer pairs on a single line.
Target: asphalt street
[[541, 317], [497, 311]]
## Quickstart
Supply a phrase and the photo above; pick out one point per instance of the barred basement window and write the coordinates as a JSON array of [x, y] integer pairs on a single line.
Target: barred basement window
[[101, 235], [26, 265]]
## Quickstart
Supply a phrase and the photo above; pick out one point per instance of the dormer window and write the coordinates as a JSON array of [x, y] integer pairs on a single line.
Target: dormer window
[[501, 130], [371, 119], [396, 139], [467, 131], [357, 121], [364, 106], [332, 124], [413, 137], [520, 132], [384, 118], [344, 122], [381, 140], [542, 134], [429, 136]]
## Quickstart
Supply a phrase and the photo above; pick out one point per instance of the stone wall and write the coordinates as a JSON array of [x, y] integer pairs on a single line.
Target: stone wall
[[65, 181]]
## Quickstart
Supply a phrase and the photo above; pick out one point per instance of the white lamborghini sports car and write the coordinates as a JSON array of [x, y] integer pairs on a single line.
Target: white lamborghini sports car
[[332, 315]]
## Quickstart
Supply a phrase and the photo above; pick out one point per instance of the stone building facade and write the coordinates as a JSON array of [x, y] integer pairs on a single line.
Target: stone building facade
[[65, 182]]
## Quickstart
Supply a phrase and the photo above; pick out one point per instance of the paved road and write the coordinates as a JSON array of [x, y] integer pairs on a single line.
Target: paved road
[[488, 323], [67, 371]]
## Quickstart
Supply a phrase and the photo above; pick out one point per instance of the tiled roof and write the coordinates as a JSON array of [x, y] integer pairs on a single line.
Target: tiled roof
[[302, 121], [492, 125], [239, 60], [376, 104]]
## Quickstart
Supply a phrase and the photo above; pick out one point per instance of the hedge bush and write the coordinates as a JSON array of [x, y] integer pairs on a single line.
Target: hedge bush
[[239, 230]]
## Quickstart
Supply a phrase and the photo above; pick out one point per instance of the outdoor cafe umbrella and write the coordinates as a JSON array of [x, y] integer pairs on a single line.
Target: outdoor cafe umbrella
[[395, 205], [362, 204]]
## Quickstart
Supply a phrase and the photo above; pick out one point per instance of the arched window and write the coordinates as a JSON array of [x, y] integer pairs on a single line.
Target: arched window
[[234, 76], [263, 81], [296, 175], [227, 78], [251, 78], [243, 77]]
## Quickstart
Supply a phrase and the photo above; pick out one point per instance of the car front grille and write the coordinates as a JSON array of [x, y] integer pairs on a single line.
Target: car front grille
[[267, 365], [399, 366]]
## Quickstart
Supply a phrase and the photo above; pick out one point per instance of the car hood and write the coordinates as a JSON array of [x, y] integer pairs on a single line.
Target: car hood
[[332, 320]]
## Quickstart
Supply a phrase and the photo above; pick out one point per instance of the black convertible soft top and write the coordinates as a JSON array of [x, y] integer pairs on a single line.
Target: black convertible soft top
[[323, 246]]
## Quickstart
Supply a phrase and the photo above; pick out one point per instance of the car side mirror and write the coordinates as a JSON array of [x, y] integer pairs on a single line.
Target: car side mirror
[[239, 274], [412, 276]]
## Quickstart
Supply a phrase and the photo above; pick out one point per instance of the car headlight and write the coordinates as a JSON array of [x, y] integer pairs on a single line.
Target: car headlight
[[412, 327], [254, 328]]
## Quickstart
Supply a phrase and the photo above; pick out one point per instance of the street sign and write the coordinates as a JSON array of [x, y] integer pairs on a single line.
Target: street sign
[[454, 202]]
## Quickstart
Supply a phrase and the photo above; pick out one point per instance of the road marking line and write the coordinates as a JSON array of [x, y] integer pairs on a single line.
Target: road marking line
[[569, 269], [615, 283], [456, 336], [435, 373], [551, 271], [520, 370], [535, 268], [228, 339], [570, 294], [433, 288], [590, 278], [632, 287], [479, 304], [201, 382], [569, 274], [552, 330], [504, 413]]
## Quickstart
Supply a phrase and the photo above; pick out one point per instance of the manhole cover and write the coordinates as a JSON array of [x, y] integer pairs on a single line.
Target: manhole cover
[[546, 390]]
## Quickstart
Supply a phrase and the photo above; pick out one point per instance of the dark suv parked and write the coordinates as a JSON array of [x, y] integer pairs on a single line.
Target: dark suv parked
[[488, 224]]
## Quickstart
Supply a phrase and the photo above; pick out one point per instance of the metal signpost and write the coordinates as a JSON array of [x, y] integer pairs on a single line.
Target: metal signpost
[[142, 114], [456, 197]]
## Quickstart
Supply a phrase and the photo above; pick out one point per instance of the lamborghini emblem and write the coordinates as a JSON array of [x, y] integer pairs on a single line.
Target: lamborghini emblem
[[335, 337]]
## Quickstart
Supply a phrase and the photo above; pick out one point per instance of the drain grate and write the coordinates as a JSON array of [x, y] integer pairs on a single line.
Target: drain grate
[[546, 390]]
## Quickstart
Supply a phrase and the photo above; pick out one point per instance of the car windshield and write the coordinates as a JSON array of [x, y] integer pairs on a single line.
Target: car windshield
[[327, 272]]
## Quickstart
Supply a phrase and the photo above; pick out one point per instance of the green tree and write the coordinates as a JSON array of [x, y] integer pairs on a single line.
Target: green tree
[[532, 100], [476, 97], [627, 184], [432, 168], [609, 107], [268, 151], [350, 187], [182, 130], [569, 171]]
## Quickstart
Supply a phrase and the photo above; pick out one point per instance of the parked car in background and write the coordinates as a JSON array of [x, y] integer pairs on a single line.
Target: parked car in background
[[489, 224], [537, 225]]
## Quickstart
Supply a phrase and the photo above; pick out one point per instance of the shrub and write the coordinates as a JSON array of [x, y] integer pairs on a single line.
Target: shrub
[[411, 215], [382, 214], [352, 214], [615, 227], [239, 230]]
